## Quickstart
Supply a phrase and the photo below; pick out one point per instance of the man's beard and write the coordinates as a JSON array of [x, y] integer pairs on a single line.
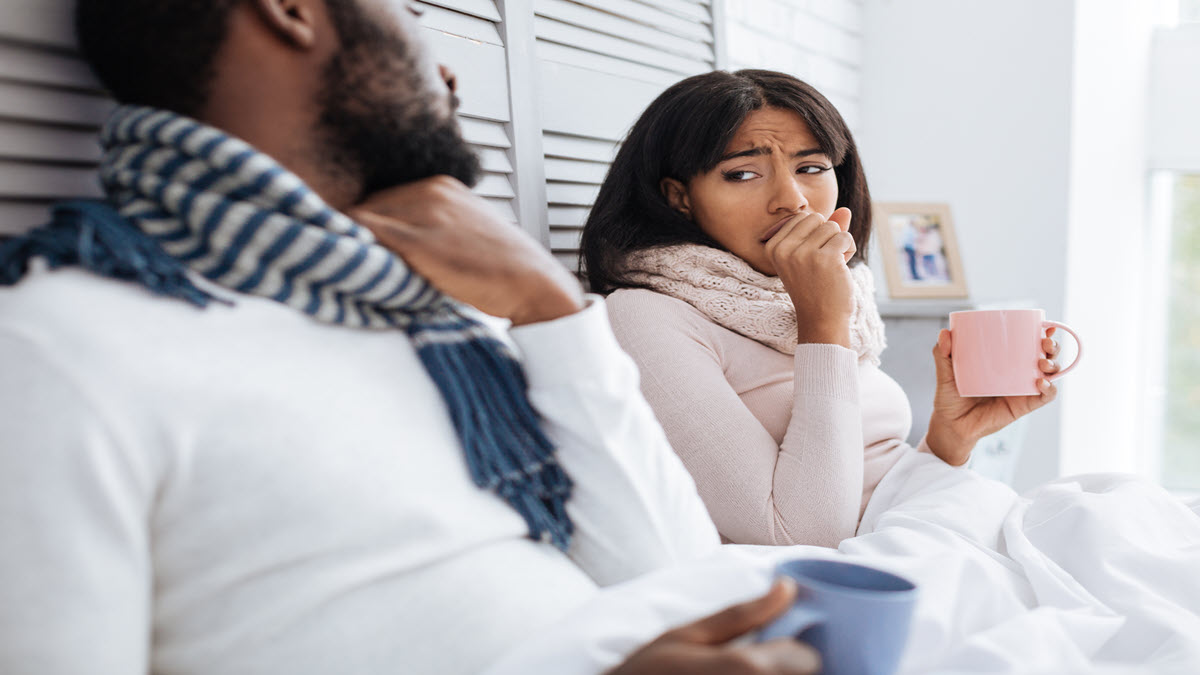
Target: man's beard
[[388, 140]]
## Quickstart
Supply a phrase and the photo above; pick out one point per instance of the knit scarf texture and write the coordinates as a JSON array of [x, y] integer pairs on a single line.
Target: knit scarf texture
[[734, 295], [185, 198]]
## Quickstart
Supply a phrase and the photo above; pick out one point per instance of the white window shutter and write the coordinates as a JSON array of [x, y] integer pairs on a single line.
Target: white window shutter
[[548, 89], [600, 63], [50, 111], [466, 36], [51, 108]]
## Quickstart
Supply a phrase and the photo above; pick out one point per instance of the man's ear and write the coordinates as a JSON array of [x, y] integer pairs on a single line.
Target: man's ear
[[295, 21], [677, 196]]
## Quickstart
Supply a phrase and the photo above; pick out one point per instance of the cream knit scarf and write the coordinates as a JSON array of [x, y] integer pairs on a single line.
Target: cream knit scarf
[[734, 295]]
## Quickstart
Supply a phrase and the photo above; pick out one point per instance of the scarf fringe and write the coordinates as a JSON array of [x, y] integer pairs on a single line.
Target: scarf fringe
[[506, 449], [93, 235]]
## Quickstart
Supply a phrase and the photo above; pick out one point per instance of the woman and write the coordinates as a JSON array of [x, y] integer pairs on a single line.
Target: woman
[[730, 235]]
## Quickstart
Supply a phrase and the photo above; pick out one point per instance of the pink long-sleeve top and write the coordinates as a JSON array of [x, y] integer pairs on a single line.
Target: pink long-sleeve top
[[783, 449]]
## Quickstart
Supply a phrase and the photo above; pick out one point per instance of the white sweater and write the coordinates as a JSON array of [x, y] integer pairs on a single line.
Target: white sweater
[[243, 490]]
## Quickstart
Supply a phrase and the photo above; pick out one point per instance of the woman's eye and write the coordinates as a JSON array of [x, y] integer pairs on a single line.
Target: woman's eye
[[739, 176], [813, 169]]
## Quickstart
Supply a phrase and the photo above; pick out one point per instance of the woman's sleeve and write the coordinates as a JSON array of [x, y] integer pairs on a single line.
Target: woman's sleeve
[[807, 490]]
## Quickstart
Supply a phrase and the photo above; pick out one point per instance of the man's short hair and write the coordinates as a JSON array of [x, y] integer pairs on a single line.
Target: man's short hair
[[157, 53], [161, 53]]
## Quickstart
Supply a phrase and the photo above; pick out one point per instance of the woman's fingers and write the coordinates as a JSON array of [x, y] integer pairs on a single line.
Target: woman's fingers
[[797, 235], [1050, 347], [793, 232], [1049, 391], [842, 216], [1047, 366], [843, 244], [814, 230]]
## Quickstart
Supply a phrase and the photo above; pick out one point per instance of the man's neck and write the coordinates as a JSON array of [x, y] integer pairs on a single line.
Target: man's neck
[[296, 152]]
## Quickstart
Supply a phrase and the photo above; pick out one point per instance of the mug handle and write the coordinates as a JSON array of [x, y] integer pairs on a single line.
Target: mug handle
[[792, 623], [1078, 343]]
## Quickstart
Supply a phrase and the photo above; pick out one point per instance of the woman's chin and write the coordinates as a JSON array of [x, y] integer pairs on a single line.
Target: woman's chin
[[762, 267]]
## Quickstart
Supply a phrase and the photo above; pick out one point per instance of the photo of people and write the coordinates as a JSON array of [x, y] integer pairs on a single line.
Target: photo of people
[[922, 248], [919, 251]]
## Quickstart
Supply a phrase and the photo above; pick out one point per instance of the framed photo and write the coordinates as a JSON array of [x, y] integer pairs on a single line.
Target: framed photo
[[920, 252]]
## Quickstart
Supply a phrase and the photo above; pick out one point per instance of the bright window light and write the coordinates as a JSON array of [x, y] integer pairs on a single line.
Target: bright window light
[[1180, 401]]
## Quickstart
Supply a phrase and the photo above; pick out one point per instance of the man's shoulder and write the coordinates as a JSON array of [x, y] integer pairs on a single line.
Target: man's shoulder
[[76, 301]]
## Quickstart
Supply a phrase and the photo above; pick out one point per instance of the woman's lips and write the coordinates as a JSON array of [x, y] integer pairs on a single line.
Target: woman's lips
[[775, 228]]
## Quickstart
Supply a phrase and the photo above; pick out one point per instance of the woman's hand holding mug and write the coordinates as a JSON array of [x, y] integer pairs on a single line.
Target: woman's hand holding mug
[[809, 254], [993, 367]]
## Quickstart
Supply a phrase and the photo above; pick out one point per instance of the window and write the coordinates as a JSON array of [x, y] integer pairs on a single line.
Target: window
[[1180, 415]]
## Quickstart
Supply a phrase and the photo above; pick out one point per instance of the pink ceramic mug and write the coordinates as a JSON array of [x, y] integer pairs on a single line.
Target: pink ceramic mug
[[996, 351]]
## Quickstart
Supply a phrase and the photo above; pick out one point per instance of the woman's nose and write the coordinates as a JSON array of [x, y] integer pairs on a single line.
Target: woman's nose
[[448, 77], [788, 195]]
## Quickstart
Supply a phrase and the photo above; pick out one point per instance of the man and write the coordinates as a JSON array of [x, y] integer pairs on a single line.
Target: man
[[247, 439]]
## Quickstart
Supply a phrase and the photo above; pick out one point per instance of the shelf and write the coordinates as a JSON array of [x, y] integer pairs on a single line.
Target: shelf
[[921, 308]]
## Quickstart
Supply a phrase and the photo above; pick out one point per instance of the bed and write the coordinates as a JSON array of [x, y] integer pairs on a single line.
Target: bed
[[1087, 574]]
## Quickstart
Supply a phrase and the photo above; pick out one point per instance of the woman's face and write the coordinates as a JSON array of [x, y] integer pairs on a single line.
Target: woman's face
[[773, 169]]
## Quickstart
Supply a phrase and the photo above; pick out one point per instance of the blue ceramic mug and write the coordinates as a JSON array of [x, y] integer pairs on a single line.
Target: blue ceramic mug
[[857, 617]]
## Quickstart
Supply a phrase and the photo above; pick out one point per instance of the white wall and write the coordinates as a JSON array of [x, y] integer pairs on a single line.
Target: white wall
[[819, 41], [969, 103]]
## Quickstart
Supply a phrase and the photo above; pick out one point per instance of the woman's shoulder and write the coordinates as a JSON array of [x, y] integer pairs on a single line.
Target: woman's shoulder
[[638, 314], [643, 306]]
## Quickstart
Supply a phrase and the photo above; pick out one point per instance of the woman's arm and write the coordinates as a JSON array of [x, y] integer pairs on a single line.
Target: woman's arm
[[805, 490]]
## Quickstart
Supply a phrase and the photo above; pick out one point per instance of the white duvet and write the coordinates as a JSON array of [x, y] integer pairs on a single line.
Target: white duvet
[[1088, 574]]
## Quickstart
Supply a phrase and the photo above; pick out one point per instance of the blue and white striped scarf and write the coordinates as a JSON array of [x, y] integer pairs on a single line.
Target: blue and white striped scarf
[[217, 207]]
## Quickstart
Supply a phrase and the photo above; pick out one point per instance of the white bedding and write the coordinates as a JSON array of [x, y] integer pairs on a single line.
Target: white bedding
[[1088, 574]]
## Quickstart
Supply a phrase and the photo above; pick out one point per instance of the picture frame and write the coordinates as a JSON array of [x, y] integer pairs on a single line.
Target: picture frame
[[920, 250]]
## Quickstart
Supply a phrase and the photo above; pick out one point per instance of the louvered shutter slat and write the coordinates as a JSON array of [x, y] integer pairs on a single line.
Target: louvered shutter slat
[[38, 22], [625, 28], [465, 35], [484, 9], [23, 181], [683, 8], [35, 142], [484, 133], [21, 63], [555, 53], [601, 62], [461, 25], [615, 47], [694, 28], [45, 105]]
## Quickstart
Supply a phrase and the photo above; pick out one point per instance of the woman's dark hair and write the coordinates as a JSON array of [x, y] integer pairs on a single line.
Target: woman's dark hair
[[684, 133]]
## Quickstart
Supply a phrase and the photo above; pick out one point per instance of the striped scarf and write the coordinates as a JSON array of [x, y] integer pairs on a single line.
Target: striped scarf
[[188, 197]]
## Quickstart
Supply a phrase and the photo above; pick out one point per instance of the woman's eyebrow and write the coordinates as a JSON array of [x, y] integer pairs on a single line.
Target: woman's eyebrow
[[759, 151]]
